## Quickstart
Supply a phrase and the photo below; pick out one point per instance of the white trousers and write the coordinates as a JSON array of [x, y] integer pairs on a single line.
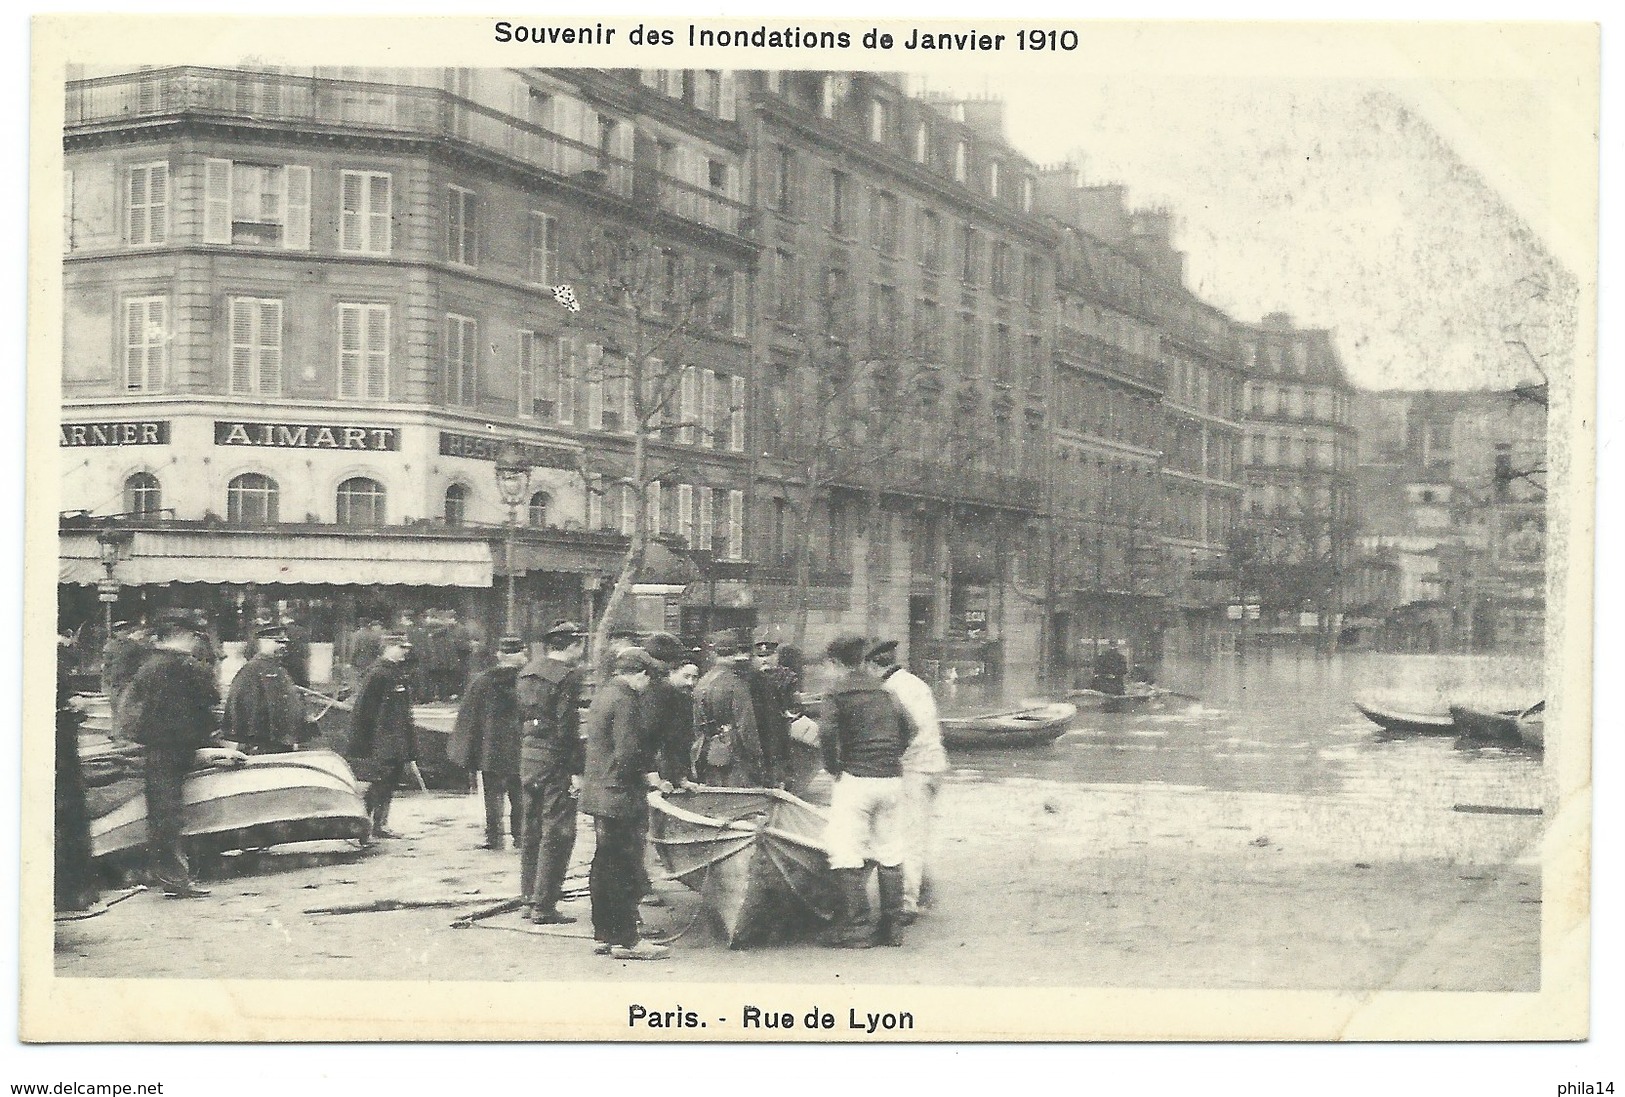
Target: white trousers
[[864, 822], [918, 812]]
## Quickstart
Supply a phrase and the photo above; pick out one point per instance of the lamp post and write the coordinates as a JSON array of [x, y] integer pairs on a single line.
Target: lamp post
[[513, 481], [111, 543]]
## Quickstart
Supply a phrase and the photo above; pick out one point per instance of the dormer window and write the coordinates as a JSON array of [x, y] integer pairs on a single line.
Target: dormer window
[[961, 161]]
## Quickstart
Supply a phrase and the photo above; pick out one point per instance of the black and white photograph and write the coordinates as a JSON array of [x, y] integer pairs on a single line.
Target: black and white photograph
[[874, 529]]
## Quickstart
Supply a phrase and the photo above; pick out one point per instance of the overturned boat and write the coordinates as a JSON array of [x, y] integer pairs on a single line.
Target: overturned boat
[[755, 856], [1397, 723], [270, 799], [1525, 728], [1023, 727]]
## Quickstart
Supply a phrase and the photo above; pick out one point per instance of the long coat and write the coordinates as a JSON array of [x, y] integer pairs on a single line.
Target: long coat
[[722, 700], [263, 706], [668, 722], [618, 753], [486, 735], [381, 728], [550, 707], [170, 704]]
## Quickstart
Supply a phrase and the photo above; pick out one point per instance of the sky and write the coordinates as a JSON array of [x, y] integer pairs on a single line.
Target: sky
[[1339, 200]]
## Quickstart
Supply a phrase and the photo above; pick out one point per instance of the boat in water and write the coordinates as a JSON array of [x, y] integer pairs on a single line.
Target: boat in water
[[1525, 728], [270, 799], [756, 857], [1397, 723], [1136, 698], [1033, 725]]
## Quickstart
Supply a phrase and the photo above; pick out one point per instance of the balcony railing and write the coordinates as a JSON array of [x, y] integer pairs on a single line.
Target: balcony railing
[[1093, 350], [305, 101], [955, 483]]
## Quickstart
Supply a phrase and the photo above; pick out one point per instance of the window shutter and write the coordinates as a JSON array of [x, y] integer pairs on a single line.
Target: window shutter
[[351, 224], [350, 350], [296, 207], [740, 321], [629, 510], [725, 109], [595, 387], [704, 529], [158, 197], [708, 409], [527, 374], [217, 201], [652, 495], [136, 203], [654, 387], [685, 512], [135, 345], [270, 348], [628, 407], [736, 525], [687, 406], [736, 416], [567, 381], [378, 213], [377, 352]]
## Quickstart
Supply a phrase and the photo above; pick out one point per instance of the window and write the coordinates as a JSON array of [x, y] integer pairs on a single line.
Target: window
[[536, 511], [256, 346], [961, 161], [703, 527], [883, 214], [883, 321], [1032, 281], [782, 193], [146, 343], [879, 121], [456, 504], [685, 513], [736, 524], [364, 351], [970, 255], [784, 285], [739, 302], [360, 502], [993, 179], [688, 405], [1001, 352], [839, 196], [461, 226], [970, 345], [541, 249], [926, 326], [736, 415], [142, 495], [708, 408], [1001, 269], [462, 349], [364, 222], [922, 143], [829, 93], [263, 205], [147, 204], [930, 240], [1027, 193], [251, 499]]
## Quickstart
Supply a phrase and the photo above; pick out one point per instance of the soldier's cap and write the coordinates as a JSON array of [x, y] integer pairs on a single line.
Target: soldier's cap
[[724, 642], [178, 621], [271, 632], [765, 642], [635, 659], [397, 639], [566, 628], [665, 647], [883, 653], [846, 650], [510, 645]]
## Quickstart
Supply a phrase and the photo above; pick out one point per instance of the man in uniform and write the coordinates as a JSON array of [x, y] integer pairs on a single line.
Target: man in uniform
[[264, 711], [772, 690], [864, 732], [924, 763], [619, 775], [485, 739], [727, 744], [550, 765], [383, 738], [169, 708], [122, 656]]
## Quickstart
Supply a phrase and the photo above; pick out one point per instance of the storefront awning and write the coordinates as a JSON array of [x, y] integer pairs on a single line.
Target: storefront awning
[[233, 556]]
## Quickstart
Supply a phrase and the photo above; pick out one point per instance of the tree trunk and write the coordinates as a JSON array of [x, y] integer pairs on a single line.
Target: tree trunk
[[631, 561]]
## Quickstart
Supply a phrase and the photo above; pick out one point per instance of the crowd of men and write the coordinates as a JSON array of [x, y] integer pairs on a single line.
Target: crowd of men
[[655, 722]]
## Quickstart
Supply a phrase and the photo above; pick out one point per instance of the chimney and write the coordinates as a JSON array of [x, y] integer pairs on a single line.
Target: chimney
[[985, 117]]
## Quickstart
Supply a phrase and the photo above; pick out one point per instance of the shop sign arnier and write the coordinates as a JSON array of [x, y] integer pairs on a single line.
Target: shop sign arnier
[[343, 436], [140, 432]]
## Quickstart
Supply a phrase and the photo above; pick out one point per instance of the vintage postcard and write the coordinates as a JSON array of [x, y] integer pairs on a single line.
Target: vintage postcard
[[572, 527]]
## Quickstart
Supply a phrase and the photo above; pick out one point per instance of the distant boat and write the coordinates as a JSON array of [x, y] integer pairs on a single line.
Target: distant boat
[[1141, 698], [1525, 728], [1395, 722], [756, 857], [1024, 727], [270, 799]]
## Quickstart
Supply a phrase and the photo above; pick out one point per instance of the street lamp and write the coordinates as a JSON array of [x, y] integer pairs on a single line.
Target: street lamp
[[112, 544], [513, 482]]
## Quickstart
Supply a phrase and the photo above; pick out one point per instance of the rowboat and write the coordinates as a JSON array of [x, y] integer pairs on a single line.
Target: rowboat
[[756, 857], [1515, 728], [1395, 722], [433, 723], [1024, 727], [269, 799], [1144, 698]]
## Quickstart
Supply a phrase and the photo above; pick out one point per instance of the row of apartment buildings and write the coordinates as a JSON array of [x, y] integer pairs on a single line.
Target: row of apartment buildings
[[306, 310]]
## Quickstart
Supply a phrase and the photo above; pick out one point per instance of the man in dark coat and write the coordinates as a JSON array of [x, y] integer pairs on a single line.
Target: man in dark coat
[[485, 740], [122, 656], [669, 707], [727, 744], [265, 713], [1111, 669], [366, 644], [864, 732], [383, 738], [296, 651], [772, 690], [169, 708], [619, 775], [550, 764], [75, 874]]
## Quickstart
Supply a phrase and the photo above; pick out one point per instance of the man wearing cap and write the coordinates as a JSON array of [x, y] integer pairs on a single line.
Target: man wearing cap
[[727, 744], [924, 763], [771, 689], [264, 713], [550, 764], [619, 775], [169, 708], [669, 707], [486, 739], [383, 738], [122, 656], [864, 733]]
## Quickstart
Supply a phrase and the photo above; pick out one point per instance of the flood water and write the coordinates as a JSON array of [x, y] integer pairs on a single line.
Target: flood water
[[1287, 724]]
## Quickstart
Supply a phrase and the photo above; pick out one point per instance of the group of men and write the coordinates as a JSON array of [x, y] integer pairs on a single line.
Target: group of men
[[445, 651]]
